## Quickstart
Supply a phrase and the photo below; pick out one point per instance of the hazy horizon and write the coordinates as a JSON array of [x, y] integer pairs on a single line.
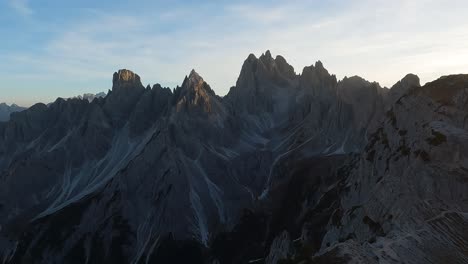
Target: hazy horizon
[[59, 49]]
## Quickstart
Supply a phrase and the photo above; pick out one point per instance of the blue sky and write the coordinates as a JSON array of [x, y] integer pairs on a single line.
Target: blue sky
[[65, 48]]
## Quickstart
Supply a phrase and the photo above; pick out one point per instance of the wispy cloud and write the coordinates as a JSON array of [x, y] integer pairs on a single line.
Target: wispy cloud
[[21, 7], [379, 40]]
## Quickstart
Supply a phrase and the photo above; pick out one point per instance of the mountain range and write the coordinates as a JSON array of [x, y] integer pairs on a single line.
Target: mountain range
[[6, 110], [286, 168], [90, 97]]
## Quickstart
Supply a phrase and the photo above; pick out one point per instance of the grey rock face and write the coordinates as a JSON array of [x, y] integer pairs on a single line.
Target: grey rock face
[[280, 249], [365, 99], [405, 201], [264, 86], [285, 167], [126, 91], [401, 88], [195, 96]]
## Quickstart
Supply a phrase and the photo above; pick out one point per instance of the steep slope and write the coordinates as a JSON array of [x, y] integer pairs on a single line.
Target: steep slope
[[410, 195], [150, 157], [404, 199]]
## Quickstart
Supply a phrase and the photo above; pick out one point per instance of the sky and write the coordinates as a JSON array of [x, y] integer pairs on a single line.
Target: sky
[[53, 48]]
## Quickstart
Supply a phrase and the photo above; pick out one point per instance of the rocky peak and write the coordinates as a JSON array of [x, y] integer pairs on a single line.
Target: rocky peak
[[447, 90], [261, 84], [194, 83], [316, 80], [359, 88], [317, 70], [268, 66], [321, 69], [247, 72], [194, 80], [277, 66], [124, 79], [126, 91], [267, 59], [354, 81], [251, 58], [125, 75], [284, 67], [265, 70], [194, 93], [410, 81]]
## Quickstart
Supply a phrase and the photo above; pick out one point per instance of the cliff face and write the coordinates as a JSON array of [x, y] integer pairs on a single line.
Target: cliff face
[[402, 199], [285, 167], [405, 200]]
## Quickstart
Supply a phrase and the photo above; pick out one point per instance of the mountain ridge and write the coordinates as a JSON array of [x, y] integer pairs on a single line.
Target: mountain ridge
[[143, 171]]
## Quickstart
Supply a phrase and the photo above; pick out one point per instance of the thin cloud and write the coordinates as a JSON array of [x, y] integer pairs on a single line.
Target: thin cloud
[[378, 40], [22, 7]]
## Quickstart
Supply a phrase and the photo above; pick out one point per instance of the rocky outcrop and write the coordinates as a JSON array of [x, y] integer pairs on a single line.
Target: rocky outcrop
[[405, 201], [195, 95], [265, 85], [126, 91], [316, 81], [280, 249], [401, 88], [366, 100]]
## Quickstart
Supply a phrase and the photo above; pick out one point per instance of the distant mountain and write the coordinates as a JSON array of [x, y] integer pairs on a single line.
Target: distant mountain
[[90, 97], [286, 168], [6, 110]]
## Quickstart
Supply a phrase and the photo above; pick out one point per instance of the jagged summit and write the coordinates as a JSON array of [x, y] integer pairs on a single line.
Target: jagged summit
[[126, 79], [260, 83], [194, 93], [407, 83], [194, 74], [251, 57], [126, 91], [411, 80], [317, 81], [266, 58], [125, 75], [193, 80]]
